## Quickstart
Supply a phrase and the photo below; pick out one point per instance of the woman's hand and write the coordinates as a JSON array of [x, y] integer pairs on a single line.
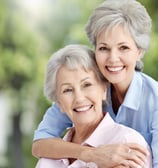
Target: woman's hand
[[126, 155]]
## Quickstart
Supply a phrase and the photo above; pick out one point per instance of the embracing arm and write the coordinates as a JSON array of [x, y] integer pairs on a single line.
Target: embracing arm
[[54, 123], [103, 156], [57, 148]]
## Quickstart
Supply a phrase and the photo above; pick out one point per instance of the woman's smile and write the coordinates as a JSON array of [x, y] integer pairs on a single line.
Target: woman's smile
[[83, 108]]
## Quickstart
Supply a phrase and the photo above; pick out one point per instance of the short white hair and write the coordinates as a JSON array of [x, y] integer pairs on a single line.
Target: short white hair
[[71, 56], [129, 13]]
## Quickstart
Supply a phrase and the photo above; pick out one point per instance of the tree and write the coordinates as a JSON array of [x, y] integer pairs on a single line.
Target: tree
[[25, 46], [18, 70]]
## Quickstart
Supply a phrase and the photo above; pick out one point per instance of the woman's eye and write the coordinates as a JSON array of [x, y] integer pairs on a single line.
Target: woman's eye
[[124, 47], [67, 90], [87, 84], [103, 48]]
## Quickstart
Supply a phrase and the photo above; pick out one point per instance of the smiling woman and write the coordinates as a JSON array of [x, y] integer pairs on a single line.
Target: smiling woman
[[75, 83], [141, 114]]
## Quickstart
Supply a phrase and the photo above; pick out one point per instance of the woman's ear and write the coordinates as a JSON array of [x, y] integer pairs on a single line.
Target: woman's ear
[[140, 54], [139, 64]]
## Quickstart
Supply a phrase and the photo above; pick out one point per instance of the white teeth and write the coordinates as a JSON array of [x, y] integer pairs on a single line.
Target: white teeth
[[115, 69], [83, 109]]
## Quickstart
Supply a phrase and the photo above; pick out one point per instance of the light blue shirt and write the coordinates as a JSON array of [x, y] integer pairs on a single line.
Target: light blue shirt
[[139, 111]]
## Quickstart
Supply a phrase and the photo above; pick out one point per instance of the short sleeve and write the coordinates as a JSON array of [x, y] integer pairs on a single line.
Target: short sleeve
[[53, 124]]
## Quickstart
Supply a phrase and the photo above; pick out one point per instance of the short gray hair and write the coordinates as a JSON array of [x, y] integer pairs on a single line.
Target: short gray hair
[[72, 56], [129, 13]]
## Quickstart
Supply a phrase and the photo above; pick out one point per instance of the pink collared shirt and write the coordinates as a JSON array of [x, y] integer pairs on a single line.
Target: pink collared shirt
[[107, 132]]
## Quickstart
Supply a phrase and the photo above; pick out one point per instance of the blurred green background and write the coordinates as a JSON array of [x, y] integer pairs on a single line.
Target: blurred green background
[[30, 31]]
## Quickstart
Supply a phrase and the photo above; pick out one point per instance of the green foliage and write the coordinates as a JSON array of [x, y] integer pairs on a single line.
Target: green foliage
[[16, 50], [151, 58], [26, 44]]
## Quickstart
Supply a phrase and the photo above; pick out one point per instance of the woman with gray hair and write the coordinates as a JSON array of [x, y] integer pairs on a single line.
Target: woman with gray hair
[[72, 57], [74, 81], [120, 31]]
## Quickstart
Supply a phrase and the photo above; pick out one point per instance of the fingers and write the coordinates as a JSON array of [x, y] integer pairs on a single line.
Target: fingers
[[120, 166], [134, 159], [125, 155], [131, 157], [130, 164], [138, 147], [136, 156]]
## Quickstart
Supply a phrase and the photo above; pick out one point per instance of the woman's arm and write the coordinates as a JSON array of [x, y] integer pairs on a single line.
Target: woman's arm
[[103, 156], [53, 124], [57, 148]]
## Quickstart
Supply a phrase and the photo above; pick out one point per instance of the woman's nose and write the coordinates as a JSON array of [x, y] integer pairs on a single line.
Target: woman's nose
[[113, 56], [79, 95]]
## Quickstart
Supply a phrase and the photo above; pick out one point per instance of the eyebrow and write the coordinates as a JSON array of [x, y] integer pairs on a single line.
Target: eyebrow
[[85, 79], [121, 43], [66, 83]]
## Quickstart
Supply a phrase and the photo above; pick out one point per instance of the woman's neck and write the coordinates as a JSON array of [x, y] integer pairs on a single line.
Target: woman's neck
[[117, 96], [81, 133], [119, 90]]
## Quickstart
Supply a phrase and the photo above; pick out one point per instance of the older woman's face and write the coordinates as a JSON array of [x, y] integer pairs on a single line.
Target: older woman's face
[[116, 55], [80, 95]]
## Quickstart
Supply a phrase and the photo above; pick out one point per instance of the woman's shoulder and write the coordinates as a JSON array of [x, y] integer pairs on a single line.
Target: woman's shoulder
[[148, 81], [131, 135]]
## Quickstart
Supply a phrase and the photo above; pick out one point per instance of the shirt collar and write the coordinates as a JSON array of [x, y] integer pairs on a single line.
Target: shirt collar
[[133, 94], [97, 136]]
